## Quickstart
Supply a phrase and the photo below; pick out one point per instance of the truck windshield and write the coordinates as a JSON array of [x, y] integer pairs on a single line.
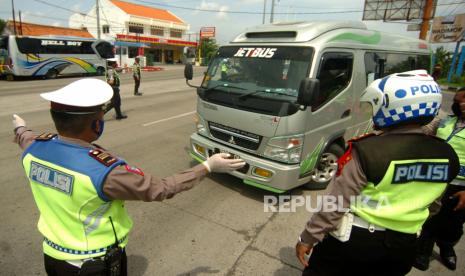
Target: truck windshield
[[256, 74]]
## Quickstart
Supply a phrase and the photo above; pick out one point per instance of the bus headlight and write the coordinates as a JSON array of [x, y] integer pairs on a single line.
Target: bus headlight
[[200, 125], [285, 149]]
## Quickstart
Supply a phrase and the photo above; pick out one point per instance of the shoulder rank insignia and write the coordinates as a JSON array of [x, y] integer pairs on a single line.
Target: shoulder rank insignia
[[45, 136], [103, 157], [363, 136], [344, 159], [347, 156]]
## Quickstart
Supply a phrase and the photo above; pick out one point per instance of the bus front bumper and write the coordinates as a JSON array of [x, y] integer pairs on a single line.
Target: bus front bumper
[[279, 177]]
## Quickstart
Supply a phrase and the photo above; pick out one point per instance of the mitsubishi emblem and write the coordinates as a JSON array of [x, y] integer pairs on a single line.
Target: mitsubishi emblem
[[231, 140]]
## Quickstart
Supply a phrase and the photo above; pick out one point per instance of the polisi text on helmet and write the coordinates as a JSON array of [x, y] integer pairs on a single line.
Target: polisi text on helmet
[[425, 89]]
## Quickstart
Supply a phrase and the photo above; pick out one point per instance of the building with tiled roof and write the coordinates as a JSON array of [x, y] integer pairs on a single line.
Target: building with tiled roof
[[31, 29], [157, 35]]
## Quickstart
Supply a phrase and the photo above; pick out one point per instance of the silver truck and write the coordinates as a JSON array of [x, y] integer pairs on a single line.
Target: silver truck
[[285, 97]]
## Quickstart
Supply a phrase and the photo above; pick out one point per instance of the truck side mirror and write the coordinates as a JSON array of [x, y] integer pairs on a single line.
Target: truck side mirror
[[309, 90], [188, 72]]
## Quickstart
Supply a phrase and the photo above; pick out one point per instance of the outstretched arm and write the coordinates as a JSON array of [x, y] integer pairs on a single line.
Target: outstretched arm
[[131, 183], [23, 136]]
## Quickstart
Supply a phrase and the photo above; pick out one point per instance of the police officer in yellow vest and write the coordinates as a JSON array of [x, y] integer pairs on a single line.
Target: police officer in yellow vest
[[386, 181], [114, 81], [136, 74], [224, 69], [80, 188], [446, 227]]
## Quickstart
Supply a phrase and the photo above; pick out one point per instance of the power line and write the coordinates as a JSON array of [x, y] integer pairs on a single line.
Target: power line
[[453, 11], [236, 12], [226, 11], [72, 11]]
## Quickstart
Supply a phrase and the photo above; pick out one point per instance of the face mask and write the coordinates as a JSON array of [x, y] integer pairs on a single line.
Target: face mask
[[101, 125], [456, 109]]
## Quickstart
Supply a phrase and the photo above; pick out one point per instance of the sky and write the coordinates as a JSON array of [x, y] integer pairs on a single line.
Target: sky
[[228, 23]]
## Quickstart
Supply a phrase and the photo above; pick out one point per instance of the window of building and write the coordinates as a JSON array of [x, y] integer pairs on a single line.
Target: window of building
[[136, 28], [155, 30], [334, 74], [105, 29], [176, 33], [121, 51]]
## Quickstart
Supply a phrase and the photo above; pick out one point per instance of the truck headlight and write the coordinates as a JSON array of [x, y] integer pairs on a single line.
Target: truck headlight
[[285, 149], [200, 125]]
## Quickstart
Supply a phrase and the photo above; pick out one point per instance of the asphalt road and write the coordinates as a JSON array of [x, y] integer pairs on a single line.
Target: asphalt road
[[217, 228]]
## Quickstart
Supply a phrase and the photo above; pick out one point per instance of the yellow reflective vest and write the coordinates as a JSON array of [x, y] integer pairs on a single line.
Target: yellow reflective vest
[[67, 184]]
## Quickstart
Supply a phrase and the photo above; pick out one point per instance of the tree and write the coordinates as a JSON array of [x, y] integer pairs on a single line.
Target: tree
[[443, 58], [2, 25], [208, 47]]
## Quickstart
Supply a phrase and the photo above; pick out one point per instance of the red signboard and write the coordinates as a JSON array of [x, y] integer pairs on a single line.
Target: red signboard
[[207, 32], [154, 40]]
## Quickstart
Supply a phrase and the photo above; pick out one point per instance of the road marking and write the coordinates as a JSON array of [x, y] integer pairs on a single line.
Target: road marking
[[170, 118]]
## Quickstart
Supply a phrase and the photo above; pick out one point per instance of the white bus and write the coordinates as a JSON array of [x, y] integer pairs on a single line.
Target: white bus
[[285, 97], [49, 57]]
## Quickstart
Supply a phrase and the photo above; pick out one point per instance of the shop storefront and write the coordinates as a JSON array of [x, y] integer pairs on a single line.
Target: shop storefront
[[152, 50]]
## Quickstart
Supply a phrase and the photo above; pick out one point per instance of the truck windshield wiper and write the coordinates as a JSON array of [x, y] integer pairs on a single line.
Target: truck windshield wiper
[[276, 92], [243, 96], [224, 86]]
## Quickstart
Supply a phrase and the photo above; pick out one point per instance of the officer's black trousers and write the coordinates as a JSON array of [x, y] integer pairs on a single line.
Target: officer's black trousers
[[115, 102], [379, 253], [136, 85], [55, 267], [447, 225]]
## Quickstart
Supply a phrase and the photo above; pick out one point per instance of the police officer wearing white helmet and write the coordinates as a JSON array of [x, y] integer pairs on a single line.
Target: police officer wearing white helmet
[[114, 81], [396, 174], [80, 188]]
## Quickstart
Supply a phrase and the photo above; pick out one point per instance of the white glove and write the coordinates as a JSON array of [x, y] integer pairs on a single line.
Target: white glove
[[219, 163], [18, 121]]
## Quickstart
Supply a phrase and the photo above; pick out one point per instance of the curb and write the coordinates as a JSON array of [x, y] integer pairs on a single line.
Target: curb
[[145, 69], [449, 88]]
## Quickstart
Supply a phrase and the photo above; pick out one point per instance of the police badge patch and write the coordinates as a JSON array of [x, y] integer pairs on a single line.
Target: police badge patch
[[134, 170]]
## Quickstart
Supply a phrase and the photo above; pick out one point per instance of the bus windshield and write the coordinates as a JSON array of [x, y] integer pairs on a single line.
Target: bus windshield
[[3, 53], [104, 49], [264, 72]]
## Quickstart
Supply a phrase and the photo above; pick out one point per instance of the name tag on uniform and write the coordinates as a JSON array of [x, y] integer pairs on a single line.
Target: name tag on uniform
[[50, 177], [424, 172]]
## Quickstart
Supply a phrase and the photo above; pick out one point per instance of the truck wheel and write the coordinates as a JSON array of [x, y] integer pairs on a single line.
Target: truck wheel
[[325, 169], [51, 74]]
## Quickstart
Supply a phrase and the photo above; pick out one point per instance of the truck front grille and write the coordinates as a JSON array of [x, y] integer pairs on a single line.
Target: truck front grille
[[235, 137]]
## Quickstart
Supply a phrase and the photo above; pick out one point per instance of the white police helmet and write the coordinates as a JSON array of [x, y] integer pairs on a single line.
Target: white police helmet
[[403, 97], [81, 93]]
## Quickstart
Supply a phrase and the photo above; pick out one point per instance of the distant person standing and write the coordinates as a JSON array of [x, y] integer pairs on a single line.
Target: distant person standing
[[113, 80], [436, 71], [136, 75]]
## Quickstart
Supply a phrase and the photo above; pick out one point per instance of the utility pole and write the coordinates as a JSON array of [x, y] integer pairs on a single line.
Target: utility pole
[[272, 11], [98, 20], [427, 13], [20, 24], [264, 11], [14, 19]]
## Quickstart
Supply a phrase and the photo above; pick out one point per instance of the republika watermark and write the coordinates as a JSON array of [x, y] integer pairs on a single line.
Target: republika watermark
[[320, 203]]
